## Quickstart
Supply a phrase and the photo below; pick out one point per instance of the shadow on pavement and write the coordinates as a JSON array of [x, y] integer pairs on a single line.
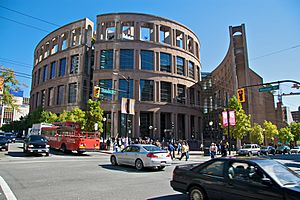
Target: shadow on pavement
[[129, 169], [22, 154], [69, 153], [171, 197]]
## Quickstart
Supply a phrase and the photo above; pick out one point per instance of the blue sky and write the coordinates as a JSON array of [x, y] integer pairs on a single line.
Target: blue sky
[[271, 26]]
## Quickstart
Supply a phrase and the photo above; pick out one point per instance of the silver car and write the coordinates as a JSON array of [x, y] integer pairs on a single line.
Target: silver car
[[142, 155], [296, 149]]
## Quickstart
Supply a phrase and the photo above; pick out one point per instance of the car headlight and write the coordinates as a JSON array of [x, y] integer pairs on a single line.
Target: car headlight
[[30, 146], [47, 146]]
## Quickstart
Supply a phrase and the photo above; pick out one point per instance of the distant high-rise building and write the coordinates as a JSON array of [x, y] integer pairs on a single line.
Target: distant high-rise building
[[296, 115]]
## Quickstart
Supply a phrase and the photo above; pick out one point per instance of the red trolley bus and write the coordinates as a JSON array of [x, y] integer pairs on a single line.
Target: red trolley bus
[[67, 136]]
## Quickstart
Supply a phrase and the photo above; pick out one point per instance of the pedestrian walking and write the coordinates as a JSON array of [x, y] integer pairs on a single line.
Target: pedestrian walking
[[185, 151], [179, 148], [213, 150], [171, 149]]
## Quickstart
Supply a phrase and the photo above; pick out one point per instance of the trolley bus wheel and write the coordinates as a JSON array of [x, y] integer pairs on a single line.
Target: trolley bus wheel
[[63, 148], [113, 160]]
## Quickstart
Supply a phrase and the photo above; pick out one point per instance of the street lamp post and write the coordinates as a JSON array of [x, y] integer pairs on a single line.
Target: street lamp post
[[211, 129], [127, 96], [104, 132]]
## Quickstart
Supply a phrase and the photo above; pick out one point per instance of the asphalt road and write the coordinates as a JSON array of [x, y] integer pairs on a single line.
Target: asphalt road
[[89, 176]]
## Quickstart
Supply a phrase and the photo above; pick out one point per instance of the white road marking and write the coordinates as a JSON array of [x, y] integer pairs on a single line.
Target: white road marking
[[6, 190]]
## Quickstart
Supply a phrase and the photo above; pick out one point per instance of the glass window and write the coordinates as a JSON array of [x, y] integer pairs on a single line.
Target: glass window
[[147, 32], [106, 84], [34, 78], [165, 62], [74, 64], [147, 60], [145, 123], [147, 90], [191, 70], [106, 59], [181, 94], [180, 66], [52, 70], [45, 73], [126, 58], [62, 67], [165, 92], [60, 94], [72, 93], [123, 84], [50, 96], [39, 76], [214, 169]]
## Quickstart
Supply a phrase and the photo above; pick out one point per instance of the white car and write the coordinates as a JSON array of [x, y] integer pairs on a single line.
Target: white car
[[249, 150], [142, 155], [296, 149]]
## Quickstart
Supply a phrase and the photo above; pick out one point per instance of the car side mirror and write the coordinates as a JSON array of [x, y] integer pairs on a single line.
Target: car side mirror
[[266, 181]]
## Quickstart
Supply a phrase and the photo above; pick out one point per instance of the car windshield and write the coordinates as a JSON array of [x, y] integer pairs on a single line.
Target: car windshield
[[281, 174], [247, 146], [37, 138], [152, 148]]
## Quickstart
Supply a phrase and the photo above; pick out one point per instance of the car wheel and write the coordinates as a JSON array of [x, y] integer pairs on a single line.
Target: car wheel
[[47, 154], [249, 153], [113, 160], [139, 164], [160, 167], [195, 193]]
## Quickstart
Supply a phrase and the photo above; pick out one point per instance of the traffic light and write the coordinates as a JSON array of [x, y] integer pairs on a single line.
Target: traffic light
[[241, 95], [96, 93]]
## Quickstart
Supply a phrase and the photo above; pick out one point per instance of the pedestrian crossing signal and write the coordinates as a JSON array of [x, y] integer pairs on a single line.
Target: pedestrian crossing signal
[[96, 92], [241, 95]]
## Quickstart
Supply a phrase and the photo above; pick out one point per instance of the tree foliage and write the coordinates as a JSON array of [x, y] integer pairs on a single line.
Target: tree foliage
[[10, 83], [256, 134], [270, 130], [243, 126], [285, 135], [94, 114], [295, 130]]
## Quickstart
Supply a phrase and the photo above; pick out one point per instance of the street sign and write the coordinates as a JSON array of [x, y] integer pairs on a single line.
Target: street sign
[[107, 91], [269, 88]]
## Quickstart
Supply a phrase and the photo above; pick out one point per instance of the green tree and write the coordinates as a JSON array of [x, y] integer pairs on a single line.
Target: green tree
[[295, 130], [94, 115], [77, 115], [10, 83], [256, 134], [48, 117], [243, 126], [285, 135], [270, 130]]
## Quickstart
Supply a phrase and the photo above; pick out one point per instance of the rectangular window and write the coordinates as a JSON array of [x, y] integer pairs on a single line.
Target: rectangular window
[[179, 39], [45, 73], [147, 90], [191, 70], [165, 92], [126, 58], [72, 93], [128, 30], [146, 121], [106, 84], [147, 60], [146, 33], [34, 79], [62, 67], [192, 96], [50, 96], [74, 64], [60, 94], [181, 94], [106, 59], [64, 41], [39, 76], [52, 70], [123, 87], [108, 29], [164, 35], [76, 37], [198, 98], [180, 66], [165, 62]]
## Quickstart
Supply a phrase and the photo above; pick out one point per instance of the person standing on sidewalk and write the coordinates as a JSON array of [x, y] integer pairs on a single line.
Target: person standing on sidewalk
[[213, 150]]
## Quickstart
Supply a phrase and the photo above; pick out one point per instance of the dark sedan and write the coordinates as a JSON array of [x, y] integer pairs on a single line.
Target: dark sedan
[[3, 143], [283, 150], [237, 178]]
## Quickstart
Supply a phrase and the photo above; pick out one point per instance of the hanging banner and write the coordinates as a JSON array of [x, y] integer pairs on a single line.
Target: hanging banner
[[131, 106], [225, 118], [127, 106], [232, 118]]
